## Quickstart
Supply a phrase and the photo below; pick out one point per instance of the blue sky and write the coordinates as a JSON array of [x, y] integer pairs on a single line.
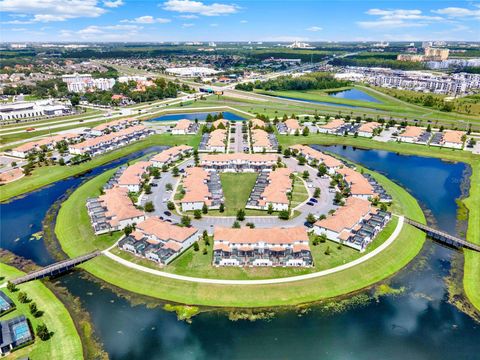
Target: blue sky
[[224, 20]]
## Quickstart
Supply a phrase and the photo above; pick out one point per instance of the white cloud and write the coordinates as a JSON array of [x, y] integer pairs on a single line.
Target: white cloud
[[113, 3], [214, 25], [53, 10], [18, 22], [397, 18], [191, 16], [197, 7], [147, 19], [103, 33], [457, 12], [187, 25], [243, 21], [314, 28], [18, 29]]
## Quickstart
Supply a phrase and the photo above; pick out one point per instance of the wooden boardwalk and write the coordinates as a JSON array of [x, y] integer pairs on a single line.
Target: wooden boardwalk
[[443, 237], [56, 268]]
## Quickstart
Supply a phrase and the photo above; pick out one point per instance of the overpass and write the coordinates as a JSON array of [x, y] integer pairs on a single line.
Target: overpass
[[55, 269], [443, 237]]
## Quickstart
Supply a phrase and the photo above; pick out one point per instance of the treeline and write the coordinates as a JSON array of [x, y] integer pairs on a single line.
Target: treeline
[[110, 73], [311, 81], [42, 89], [386, 61], [428, 100]]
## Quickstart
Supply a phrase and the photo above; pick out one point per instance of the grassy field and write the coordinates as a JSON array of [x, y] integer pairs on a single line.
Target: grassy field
[[46, 175], [236, 190], [65, 342], [79, 239], [299, 193]]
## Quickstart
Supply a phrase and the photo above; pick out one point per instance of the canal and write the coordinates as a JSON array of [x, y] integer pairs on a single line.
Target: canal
[[419, 323]]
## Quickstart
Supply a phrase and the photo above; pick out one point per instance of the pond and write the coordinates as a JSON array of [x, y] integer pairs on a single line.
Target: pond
[[354, 94], [200, 116], [417, 324]]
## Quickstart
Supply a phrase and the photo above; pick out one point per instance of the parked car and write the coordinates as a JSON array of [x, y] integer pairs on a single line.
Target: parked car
[[310, 203], [168, 213], [308, 225], [168, 220], [313, 200], [153, 184]]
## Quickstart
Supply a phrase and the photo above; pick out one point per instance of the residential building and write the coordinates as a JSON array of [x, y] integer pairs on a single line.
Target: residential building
[[453, 139], [14, 332], [22, 151], [358, 184], [411, 134], [158, 240], [292, 126], [79, 83], [238, 162], [132, 176], [257, 123], [331, 127], [261, 247], [271, 190], [6, 304], [113, 211], [216, 141], [201, 188], [355, 224], [262, 141], [332, 164], [171, 155], [185, 127], [367, 129], [116, 125]]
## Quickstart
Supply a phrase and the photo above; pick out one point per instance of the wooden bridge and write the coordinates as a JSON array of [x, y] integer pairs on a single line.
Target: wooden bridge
[[56, 268], [443, 237]]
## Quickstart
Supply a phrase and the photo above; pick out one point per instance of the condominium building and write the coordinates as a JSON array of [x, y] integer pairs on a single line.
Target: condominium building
[[331, 127], [238, 162], [85, 82], [158, 240], [332, 164], [411, 134], [217, 141], [367, 129], [201, 188], [170, 155], [113, 126], [453, 139], [132, 176], [185, 127], [257, 123], [113, 211], [355, 224], [289, 127], [261, 247], [262, 141], [271, 190], [358, 184], [22, 151]]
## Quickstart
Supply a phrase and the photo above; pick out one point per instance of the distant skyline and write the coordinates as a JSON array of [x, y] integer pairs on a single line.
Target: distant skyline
[[276, 21]]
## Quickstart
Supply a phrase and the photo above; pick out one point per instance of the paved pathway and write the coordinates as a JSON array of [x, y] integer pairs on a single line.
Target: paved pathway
[[317, 274]]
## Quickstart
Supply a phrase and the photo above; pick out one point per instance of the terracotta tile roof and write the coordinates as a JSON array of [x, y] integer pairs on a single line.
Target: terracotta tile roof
[[292, 124], [359, 185], [51, 140], [453, 136], [119, 206], [165, 231], [260, 139], [220, 121], [104, 139], [257, 123], [132, 175], [183, 124], [124, 122], [195, 186], [273, 236], [334, 124], [369, 127], [171, 153], [172, 245], [217, 138], [327, 160], [221, 246], [300, 247], [238, 158], [279, 183], [412, 132], [347, 216]]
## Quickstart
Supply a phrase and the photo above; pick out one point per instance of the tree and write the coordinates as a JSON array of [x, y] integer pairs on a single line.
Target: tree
[[185, 221], [283, 215], [241, 215], [270, 209], [128, 230], [322, 170], [429, 128], [170, 205], [311, 218], [164, 168], [305, 174], [11, 287], [22, 297], [297, 133], [205, 208], [155, 172], [328, 251], [168, 187], [149, 207], [175, 171], [236, 225], [148, 189], [42, 332], [33, 308], [305, 131], [204, 251], [196, 247], [61, 162], [287, 153], [322, 238], [317, 192], [222, 208], [338, 198], [197, 214]]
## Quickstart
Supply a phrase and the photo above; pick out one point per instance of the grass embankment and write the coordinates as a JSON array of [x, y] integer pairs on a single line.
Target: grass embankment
[[471, 279], [65, 342], [46, 175], [79, 239]]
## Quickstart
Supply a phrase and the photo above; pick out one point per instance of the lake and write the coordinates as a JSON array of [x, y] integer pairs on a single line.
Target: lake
[[418, 324], [354, 94], [200, 116]]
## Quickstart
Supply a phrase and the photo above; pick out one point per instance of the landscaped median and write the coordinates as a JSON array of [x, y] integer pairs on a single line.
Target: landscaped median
[[76, 237], [65, 342]]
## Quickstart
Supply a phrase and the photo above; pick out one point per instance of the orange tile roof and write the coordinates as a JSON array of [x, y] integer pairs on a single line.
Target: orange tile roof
[[453, 136], [412, 132], [171, 153], [132, 175], [369, 127], [279, 183], [218, 122], [119, 206], [165, 231], [347, 216], [292, 124], [300, 247], [270, 159], [111, 124], [195, 186], [220, 246], [217, 138], [328, 160], [273, 236], [108, 137], [183, 124], [51, 140], [260, 139], [334, 124], [172, 245], [257, 123], [359, 185]]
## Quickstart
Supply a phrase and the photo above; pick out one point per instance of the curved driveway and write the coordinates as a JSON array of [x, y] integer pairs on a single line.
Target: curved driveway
[[356, 262]]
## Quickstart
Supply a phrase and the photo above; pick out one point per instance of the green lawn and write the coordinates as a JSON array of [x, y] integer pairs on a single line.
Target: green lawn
[[299, 193], [65, 342], [236, 190], [80, 239], [46, 175]]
